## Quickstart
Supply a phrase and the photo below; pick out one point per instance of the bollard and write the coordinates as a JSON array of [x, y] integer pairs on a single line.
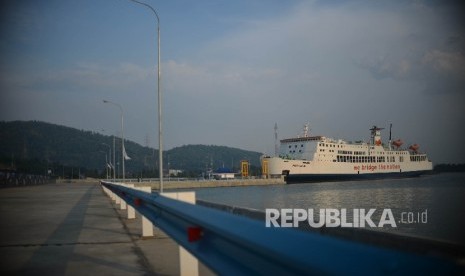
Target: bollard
[[188, 264]]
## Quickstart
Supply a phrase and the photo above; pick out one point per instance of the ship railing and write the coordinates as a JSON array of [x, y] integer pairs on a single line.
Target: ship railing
[[234, 245]]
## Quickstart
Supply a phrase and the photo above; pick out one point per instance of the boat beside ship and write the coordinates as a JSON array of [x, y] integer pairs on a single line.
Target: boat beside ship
[[317, 158]]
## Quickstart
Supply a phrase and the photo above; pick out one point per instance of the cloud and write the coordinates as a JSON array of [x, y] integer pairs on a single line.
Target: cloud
[[218, 79], [106, 76], [450, 63], [342, 66], [439, 70], [83, 76]]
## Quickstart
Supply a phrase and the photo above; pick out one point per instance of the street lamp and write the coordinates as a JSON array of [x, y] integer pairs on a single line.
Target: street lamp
[[109, 157], [160, 143], [106, 162], [122, 132]]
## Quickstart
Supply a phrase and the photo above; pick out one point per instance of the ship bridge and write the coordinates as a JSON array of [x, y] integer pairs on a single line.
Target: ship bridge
[[301, 148]]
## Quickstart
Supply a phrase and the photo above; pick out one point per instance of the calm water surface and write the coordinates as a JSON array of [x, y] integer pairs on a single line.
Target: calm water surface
[[442, 196]]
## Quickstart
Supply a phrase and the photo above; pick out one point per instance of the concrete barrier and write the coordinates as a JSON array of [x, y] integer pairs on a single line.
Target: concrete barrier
[[211, 183]]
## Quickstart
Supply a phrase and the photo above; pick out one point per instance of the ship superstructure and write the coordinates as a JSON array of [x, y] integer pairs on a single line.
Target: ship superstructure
[[317, 158]]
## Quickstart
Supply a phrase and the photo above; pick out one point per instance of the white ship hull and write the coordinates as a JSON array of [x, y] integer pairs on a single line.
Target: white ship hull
[[314, 159], [296, 171]]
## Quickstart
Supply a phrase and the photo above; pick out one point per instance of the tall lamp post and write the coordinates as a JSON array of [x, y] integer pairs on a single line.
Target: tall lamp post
[[122, 132], [160, 143], [106, 163], [109, 156]]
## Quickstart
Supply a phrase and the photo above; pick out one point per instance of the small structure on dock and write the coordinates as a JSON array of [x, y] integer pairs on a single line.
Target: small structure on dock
[[223, 173]]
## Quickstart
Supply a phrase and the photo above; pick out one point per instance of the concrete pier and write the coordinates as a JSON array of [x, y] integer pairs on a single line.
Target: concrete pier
[[189, 184], [74, 229]]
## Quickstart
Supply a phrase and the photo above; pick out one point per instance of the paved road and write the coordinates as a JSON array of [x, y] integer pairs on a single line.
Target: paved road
[[74, 229]]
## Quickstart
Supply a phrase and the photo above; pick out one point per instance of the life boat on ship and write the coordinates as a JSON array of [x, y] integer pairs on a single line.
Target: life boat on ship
[[398, 143], [414, 147]]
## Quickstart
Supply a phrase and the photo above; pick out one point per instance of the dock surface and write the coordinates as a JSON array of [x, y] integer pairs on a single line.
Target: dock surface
[[74, 229]]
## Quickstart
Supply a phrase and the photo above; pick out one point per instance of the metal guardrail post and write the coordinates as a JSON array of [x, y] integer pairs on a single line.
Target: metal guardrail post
[[123, 204], [117, 199], [131, 211], [188, 264], [112, 195], [147, 226]]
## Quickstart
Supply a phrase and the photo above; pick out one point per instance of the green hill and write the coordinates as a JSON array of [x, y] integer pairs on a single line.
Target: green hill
[[201, 157], [34, 147]]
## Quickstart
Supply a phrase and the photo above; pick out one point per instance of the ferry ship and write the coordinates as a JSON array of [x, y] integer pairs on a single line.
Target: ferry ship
[[317, 158]]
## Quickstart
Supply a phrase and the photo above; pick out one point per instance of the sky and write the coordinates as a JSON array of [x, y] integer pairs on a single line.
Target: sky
[[230, 70]]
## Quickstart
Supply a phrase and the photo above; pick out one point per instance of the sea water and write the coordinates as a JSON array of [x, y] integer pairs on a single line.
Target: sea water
[[430, 206]]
